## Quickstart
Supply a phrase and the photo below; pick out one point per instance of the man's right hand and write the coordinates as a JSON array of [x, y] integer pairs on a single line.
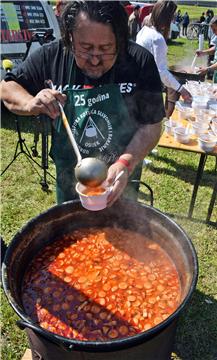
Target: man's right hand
[[185, 95], [200, 53], [19, 101], [46, 102]]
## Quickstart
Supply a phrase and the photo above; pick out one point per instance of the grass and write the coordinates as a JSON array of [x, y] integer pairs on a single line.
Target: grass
[[171, 175], [195, 12]]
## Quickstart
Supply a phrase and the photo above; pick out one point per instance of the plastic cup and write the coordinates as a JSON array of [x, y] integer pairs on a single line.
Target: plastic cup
[[199, 128], [207, 142], [200, 102], [169, 126], [181, 135], [213, 107], [92, 202]]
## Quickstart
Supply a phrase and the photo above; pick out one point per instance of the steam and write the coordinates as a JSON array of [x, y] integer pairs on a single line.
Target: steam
[[192, 62]]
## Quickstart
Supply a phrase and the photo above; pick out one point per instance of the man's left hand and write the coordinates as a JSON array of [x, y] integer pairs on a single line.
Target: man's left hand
[[202, 70], [119, 185]]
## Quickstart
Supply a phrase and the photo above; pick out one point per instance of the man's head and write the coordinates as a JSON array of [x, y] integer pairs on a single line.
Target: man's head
[[96, 32], [213, 24], [136, 10]]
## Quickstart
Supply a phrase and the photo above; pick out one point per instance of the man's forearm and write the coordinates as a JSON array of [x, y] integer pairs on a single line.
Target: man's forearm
[[15, 97], [212, 67], [145, 139], [209, 51]]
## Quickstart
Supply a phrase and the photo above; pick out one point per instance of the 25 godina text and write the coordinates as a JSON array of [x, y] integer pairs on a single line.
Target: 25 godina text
[[81, 101]]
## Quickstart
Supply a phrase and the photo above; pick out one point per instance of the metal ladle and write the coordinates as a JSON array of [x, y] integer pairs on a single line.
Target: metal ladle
[[88, 171]]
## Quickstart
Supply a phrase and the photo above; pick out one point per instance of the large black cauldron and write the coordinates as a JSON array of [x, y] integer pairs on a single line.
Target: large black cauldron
[[154, 344], [183, 73]]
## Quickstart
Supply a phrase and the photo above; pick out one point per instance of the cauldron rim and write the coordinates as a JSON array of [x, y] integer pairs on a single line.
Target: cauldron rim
[[97, 346]]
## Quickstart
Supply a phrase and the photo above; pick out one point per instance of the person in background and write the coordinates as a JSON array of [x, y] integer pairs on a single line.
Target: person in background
[[212, 38], [212, 50], [202, 18], [110, 89], [178, 19], [154, 38], [185, 23], [209, 16], [146, 20], [59, 9], [134, 23]]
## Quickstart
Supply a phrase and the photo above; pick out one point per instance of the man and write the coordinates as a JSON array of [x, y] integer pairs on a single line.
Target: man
[[211, 51], [110, 89], [202, 18], [134, 23]]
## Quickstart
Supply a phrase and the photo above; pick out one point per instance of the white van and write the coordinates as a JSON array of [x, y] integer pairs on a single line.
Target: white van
[[25, 25]]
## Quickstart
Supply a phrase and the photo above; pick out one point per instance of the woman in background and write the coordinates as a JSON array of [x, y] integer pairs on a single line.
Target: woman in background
[[153, 38]]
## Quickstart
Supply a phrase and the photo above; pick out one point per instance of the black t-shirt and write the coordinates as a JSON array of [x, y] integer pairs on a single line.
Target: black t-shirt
[[136, 74]]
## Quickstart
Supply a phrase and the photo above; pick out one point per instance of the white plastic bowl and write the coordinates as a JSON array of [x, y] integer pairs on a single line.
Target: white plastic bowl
[[204, 115], [200, 102], [207, 142], [180, 135], [213, 107], [214, 124], [185, 112], [199, 128], [169, 126], [203, 120], [92, 202]]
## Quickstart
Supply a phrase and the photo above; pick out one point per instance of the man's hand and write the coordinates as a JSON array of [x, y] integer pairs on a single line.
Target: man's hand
[[46, 102], [185, 95], [21, 102], [202, 70], [200, 53], [119, 185]]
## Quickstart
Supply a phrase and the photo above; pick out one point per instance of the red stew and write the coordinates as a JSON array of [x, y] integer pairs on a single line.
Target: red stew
[[94, 191], [100, 284]]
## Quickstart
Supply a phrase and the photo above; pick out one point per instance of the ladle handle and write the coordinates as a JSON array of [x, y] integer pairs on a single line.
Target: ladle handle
[[70, 134], [194, 61], [66, 125]]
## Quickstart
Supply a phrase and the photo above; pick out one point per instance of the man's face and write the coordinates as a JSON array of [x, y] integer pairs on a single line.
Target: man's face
[[94, 46], [214, 28]]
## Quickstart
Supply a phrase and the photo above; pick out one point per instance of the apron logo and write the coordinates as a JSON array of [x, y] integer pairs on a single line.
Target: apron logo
[[93, 131]]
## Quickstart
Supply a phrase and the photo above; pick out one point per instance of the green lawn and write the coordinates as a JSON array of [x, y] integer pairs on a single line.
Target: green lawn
[[195, 12], [171, 175]]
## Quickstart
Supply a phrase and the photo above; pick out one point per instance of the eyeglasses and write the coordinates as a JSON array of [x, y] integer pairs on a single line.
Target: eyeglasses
[[88, 56]]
